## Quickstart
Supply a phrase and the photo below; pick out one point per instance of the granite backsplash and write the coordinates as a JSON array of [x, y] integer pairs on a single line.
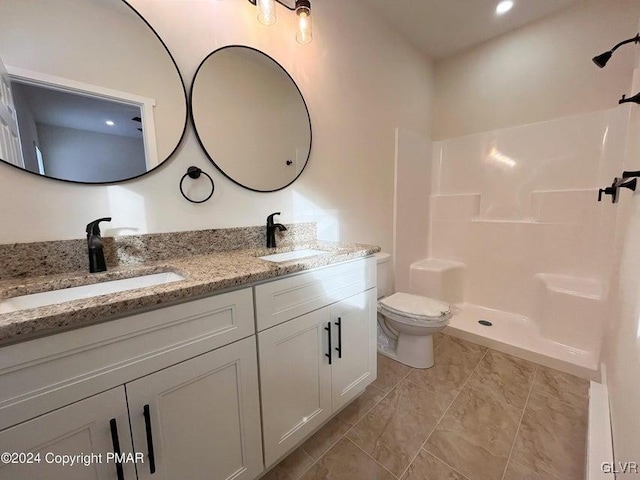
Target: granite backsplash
[[18, 260]]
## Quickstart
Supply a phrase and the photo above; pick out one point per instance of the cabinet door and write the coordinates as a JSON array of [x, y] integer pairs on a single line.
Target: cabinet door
[[295, 381], [354, 365], [200, 418], [78, 430]]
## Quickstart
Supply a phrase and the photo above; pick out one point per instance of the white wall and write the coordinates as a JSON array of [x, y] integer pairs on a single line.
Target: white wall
[[540, 72], [360, 81]]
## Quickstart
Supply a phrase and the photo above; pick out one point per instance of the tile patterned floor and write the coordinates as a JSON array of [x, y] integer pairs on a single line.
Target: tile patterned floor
[[476, 415]]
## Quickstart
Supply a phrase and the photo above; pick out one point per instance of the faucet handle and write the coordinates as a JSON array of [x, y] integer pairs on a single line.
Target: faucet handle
[[270, 217], [613, 191], [93, 228]]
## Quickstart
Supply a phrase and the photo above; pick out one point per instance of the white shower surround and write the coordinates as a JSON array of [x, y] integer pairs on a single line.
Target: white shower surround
[[518, 208]]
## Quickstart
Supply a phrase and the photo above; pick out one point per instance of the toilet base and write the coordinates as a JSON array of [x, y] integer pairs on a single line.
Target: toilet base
[[412, 350], [415, 351]]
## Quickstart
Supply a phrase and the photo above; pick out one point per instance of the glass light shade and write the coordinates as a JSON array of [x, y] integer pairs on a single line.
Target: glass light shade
[[266, 12], [305, 33]]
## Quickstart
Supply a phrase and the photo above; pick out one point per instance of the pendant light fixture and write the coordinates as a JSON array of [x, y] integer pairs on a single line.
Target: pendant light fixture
[[267, 12], [267, 16], [303, 11]]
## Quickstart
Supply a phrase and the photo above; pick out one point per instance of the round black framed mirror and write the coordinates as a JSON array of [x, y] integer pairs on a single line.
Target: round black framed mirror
[[250, 118], [91, 94]]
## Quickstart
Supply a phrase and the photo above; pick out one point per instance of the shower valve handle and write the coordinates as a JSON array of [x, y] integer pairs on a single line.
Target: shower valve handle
[[608, 191]]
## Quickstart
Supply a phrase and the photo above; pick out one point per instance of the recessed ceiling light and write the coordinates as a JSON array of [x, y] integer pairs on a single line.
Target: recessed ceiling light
[[504, 6], [110, 123]]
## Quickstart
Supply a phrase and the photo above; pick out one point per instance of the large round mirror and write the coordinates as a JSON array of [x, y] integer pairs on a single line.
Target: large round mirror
[[250, 118], [88, 91]]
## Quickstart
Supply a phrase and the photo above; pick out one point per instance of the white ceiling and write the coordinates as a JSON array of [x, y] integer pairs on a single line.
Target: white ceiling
[[443, 27]]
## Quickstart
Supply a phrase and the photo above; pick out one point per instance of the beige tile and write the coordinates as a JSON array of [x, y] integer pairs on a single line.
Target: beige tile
[[505, 378], [475, 436], [390, 373], [567, 388], [515, 471], [428, 467], [345, 461], [326, 437], [552, 438], [394, 431], [437, 338], [292, 467], [454, 362], [361, 405]]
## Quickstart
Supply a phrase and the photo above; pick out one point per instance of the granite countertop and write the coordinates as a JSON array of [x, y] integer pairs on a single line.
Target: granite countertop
[[204, 274]]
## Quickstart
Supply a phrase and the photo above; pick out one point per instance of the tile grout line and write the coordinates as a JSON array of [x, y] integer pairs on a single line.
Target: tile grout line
[[565, 402], [515, 438], [386, 394], [438, 458], [344, 435], [403, 377], [440, 419], [377, 463], [365, 414]]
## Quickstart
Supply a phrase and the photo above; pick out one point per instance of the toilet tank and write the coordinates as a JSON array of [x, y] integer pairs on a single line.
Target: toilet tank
[[384, 274]]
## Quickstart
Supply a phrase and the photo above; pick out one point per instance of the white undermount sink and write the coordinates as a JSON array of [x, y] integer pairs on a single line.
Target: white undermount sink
[[294, 255], [86, 291]]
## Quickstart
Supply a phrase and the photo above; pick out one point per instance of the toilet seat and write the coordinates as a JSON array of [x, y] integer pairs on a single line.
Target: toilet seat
[[415, 309]]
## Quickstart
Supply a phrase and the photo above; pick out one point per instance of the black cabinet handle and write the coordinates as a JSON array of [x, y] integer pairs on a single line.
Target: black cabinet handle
[[151, 455], [339, 347], [328, 329], [116, 447]]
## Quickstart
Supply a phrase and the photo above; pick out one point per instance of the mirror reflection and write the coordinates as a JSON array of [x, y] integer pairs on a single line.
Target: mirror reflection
[[251, 118], [88, 92]]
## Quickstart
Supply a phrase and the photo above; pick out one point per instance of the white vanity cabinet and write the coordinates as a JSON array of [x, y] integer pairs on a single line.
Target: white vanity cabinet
[[200, 418], [194, 365], [86, 427], [295, 380], [355, 366], [320, 354], [180, 386]]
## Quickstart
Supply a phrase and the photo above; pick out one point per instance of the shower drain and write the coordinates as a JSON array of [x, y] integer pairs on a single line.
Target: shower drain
[[485, 323]]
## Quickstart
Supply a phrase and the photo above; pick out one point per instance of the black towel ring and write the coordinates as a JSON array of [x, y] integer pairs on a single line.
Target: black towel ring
[[195, 172]]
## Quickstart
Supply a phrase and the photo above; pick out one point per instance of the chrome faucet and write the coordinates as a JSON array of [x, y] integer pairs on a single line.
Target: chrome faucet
[[271, 230], [94, 242]]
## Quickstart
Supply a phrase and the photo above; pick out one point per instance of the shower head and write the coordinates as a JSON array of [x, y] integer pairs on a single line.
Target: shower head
[[602, 59]]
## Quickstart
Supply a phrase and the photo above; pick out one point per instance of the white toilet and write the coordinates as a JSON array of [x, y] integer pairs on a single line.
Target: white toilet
[[406, 322]]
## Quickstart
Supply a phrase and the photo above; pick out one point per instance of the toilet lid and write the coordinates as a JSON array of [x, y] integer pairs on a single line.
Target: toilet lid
[[415, 306]]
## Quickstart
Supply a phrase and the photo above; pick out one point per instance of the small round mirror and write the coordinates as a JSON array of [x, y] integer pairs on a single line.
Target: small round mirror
[[250, 118]]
